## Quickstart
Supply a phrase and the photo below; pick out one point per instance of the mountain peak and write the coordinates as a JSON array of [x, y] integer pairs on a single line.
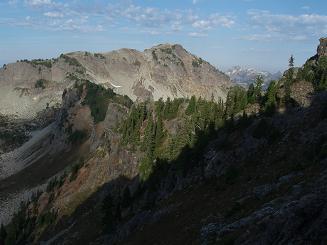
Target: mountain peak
[[165, 70]]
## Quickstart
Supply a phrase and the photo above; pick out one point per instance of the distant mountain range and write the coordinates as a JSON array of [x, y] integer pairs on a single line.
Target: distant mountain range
[[246, 76]]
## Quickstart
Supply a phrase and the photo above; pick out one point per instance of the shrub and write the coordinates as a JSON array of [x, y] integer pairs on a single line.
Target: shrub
[[146, 168], [77, 136], [74, 171], [154, 55], [100, 56], [197, 62], [98, 98], [40, 83], [47, 63]]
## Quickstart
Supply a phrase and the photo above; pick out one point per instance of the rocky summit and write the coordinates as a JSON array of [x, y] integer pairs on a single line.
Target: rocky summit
[[30, 86]]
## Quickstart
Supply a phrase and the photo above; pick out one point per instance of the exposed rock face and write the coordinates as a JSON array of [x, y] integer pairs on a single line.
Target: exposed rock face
[[322, 48], [162, 71], [302, 92], [28, 87]]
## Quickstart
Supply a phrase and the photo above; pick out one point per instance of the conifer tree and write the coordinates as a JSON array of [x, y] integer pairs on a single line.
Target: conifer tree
[[258, 88], [289, 78], [271, 102], [191, 108]]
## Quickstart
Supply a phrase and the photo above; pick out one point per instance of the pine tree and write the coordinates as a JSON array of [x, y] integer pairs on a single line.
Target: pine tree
[[148, 141], [159, 131], [271, 102], [191, 108], [167, 108], [250, 94], [258, 88], [289, 78], [159, 107]]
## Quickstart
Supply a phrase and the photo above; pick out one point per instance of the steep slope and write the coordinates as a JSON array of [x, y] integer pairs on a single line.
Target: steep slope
[[28, 87], [162, 71]]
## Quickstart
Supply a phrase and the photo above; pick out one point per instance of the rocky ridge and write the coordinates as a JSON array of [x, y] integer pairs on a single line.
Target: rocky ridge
[[28, 87]]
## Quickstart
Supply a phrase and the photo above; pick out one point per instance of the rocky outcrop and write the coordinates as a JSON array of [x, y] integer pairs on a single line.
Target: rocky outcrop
[[302, 92], [322, 48], [162, 71]]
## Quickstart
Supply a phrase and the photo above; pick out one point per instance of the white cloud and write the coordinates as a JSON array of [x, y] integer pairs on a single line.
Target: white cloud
[[197, 34], [54, 14], [214, 20], [76, 15], [283, 26], [38, 2]]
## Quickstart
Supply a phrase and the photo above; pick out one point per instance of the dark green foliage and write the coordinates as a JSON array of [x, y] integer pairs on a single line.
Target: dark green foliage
[[315, 72], [122, 100], [145, 129], [132, 125], [23, 224], [100, 56], [236, 100], [250, 94], [98, 99], [74, 171], [40, 62], [255, 90], [52, 184], [166, 50], [146, 167], [322, 73], [72, 77], [16, 230], [159, 131], [191, 108], [77, 136], [47, 218], [197, 62], [70, 60], [258, 88], [171, 108], [47, 63], [289, 79], [40, 83], [270, 98], [154, 55]]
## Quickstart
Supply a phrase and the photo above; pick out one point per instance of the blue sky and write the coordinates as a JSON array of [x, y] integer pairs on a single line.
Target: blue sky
[[251, 33]]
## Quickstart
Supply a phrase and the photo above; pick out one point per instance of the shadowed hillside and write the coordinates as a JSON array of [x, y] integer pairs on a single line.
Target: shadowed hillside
[[247, 170]]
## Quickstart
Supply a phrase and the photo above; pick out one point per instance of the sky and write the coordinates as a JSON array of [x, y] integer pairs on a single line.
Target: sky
[[259, 34]]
